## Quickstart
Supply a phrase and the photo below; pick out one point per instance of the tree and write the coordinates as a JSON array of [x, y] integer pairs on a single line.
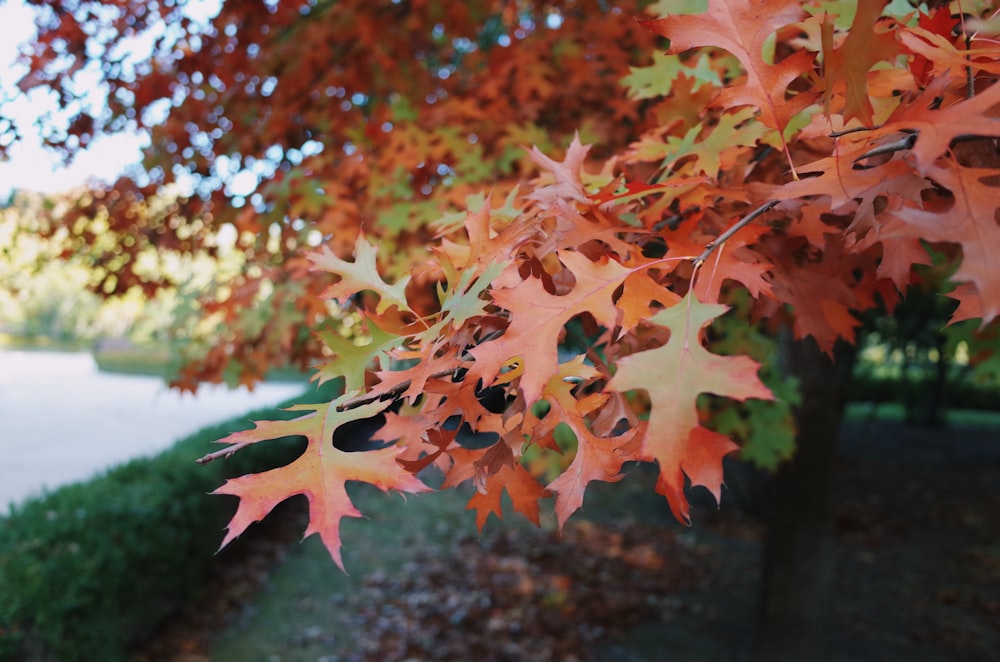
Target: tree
[[773, 170]]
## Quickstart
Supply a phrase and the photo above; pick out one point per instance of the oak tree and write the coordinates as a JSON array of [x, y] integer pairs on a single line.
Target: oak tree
[[600, 219]]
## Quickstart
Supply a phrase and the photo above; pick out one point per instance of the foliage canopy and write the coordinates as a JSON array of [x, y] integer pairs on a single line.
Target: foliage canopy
[[767, 164]]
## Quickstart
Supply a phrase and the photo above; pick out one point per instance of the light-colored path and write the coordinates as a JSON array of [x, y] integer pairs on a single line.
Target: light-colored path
[[62, 421]]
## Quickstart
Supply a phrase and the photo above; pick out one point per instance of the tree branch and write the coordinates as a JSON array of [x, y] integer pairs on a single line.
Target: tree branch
[[736, 227]]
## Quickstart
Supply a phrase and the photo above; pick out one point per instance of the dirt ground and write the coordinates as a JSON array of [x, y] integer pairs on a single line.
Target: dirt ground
[[917, 576]]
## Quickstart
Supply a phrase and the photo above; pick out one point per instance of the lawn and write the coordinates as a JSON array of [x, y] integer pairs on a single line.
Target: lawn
[[915, 562]]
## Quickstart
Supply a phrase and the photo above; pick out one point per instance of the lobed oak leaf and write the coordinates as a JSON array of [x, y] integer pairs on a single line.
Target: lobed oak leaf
[[320, 473], [970, 221], [657, 79], [821, 299], [567, 185], [936, 128], [524, 492], [742, 27], [538, 318], [597, 458], [466, 299], [639, 292], [849, 63], [351, 361], [842, 183], [933, 52], [674, 375], [359, 276]]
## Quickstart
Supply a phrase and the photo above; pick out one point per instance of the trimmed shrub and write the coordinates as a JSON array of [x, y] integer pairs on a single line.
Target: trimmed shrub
[[90, 569]]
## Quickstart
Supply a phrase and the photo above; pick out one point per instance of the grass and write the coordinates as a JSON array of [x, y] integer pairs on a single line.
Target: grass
[[303, 595], [301, 598], [159, 362], [149, 361], [13, 342], [893, 412], [304, 590]]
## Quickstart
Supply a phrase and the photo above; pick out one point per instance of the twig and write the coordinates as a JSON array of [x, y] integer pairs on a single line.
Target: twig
[[736, 227], [391, 393], [906, 142], [225, 452], [857, 129], [909, 140], [970, 82]]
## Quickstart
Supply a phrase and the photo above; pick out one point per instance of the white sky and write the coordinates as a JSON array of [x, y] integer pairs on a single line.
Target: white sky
[[30, 166]]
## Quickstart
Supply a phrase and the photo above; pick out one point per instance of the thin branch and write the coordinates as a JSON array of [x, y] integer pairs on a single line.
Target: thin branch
[[970, 83], [225, 452], [736, 227], [857, 129], [906, 142], [909, 140], [391, 393]]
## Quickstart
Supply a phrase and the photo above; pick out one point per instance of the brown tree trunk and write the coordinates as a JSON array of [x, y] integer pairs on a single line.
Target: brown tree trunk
[[798, 542]]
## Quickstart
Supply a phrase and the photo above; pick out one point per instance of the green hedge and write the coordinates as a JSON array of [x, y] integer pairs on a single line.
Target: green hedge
[[92, 568]]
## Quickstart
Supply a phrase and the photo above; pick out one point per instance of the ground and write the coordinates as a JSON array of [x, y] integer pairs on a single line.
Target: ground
[[918, 566]]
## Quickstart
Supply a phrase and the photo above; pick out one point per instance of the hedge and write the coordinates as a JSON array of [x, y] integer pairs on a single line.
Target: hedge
[[90, 569]]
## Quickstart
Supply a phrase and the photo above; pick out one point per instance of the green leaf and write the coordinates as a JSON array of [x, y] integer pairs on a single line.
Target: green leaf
[[359, 276], [465, 303], [657, 79], [350, 360]]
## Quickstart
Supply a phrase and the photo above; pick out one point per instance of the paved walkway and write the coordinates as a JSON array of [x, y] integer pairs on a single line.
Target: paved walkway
[[62, 421]]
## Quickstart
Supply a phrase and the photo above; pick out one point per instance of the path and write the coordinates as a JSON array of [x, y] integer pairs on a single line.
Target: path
[[62, 421]]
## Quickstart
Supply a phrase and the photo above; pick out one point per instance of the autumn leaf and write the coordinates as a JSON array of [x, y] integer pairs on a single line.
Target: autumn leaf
[[596, 458], [849, 62], [742, 27], [937, 127], [567, 184], [538, 319], [350, 361], [523, 490], [674, 375], [969, 219], [320, 473], [359, 276]]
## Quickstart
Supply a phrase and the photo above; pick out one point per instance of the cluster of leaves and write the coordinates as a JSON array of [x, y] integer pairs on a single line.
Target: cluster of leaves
[[789, 162], [299, 123], [812, 179]]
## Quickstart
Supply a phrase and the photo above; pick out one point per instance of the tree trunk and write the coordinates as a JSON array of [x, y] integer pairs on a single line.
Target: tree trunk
[[798, 541]]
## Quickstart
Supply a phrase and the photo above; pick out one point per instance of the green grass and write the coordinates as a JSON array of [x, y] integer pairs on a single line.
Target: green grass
[[151, 361], [159, 362], [894, 412], [9, 341], [302, 595]]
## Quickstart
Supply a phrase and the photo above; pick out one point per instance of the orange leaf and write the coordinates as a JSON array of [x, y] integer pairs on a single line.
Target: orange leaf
[[524, 493], [597, 458], [674, 375], [320, 473], [742, 27], [538, 318]]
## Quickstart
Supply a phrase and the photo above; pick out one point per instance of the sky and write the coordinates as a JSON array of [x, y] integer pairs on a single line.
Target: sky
[[30, 165]]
